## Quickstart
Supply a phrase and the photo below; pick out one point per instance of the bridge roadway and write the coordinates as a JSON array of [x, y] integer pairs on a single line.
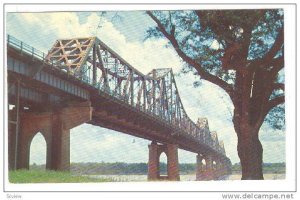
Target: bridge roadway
[[120, 97]]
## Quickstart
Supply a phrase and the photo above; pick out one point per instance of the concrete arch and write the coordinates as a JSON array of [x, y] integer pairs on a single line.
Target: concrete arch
[[155, 150], [57, 140], [55, 127]]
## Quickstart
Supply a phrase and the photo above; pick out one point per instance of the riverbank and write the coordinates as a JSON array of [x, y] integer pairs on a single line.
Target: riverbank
[[119, 168], [185, 177], [38, 176]]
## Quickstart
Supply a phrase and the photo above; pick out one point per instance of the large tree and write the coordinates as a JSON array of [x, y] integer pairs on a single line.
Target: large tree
[[241, 51]]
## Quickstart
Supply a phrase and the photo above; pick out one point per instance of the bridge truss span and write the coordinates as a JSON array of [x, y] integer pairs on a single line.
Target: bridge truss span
[[155, 93], [90, 70]]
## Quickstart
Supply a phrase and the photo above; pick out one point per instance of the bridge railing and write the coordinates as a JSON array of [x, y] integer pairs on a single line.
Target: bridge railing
[[23, 47], [182, 122]]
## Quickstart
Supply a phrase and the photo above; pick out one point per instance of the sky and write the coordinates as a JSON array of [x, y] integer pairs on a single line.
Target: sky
[[125, 33]]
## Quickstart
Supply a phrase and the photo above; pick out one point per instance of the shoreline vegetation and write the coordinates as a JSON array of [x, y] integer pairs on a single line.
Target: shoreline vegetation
[[83, 172], [50, 176]]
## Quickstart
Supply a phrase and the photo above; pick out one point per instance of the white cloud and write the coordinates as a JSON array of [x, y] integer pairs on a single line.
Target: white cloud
[[143, 56]]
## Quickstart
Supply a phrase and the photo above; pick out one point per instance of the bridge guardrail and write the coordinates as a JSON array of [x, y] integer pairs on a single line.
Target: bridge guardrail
[[25, 47]]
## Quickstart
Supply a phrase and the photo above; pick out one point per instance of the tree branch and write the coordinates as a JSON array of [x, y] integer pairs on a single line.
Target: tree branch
[[276, 46], [277, 86], [276, 63], [204, 74], [270, 104], [274, 102]]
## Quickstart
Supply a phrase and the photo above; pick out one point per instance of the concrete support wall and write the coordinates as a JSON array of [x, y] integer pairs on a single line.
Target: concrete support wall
[[55, 127], [171, 151]]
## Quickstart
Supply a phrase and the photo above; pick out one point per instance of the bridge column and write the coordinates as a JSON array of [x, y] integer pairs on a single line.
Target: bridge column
[[60, 146], [11, 139], [173, 168], [55, 127], [199, 168], [153, 164], [221, 168], [218, 170], [209, 168], [171, 151]]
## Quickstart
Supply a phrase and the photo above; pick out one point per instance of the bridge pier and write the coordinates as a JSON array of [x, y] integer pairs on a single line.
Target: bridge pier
[[199, 167], [155, 150], [207, 172], [217, 169], [223, 168], [55, 127], [211, 171]]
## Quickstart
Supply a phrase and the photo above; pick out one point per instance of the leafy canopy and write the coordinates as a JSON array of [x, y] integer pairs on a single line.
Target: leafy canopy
[[206, 37]]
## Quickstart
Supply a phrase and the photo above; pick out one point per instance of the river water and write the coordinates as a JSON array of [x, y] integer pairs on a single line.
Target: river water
[[188, 177]]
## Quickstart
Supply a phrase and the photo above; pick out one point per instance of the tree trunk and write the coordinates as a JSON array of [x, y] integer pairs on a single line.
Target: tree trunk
[[250, 152], [246, 125]]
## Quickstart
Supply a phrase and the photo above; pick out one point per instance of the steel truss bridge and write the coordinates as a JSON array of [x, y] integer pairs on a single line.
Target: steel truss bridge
[[122, 98]]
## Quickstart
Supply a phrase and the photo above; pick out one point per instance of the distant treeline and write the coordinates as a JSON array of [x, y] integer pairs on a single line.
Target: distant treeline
[[124, 168], [271, 168], [142, 168]]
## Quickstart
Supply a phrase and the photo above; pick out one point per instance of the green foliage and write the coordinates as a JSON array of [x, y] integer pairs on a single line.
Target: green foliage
[[276, 117], [79, 169], [264, 34], [222, 28], [205, 36], [40, 176], [271, 168]]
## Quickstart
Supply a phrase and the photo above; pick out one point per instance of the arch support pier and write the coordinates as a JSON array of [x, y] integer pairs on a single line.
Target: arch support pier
[[204, 172], [171, 151], [199, 167], [54, 126]]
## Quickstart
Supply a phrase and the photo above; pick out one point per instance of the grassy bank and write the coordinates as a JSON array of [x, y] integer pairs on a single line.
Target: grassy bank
[[38, 176]]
